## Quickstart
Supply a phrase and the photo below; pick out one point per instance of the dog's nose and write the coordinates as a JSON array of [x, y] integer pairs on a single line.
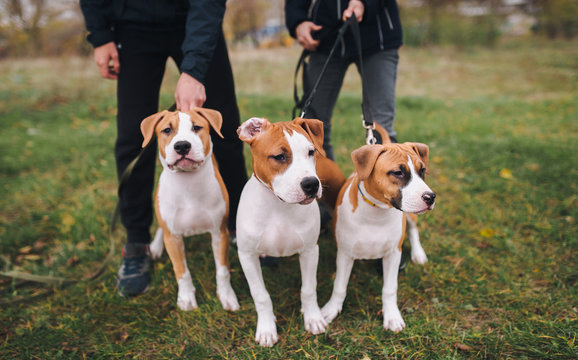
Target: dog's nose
[[310, 185], [429, 198], [182, 147]]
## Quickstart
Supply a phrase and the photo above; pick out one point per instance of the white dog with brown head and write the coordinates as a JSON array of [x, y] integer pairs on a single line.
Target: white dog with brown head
[[191, 197], [370, 222], [278, 214]]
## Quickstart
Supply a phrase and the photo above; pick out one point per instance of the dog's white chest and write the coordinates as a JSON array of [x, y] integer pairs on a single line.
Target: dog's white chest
[[272, 227], [191, 203], [369, 232]]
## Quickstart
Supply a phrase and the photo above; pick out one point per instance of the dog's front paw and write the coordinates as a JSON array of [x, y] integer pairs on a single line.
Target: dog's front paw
[[315, 323], [392, 320], [418, 256], [186, 300], [330, 311], [266, 334], [228, 299]]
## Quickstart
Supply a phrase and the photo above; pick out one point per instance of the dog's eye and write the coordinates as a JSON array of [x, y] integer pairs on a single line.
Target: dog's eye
[[422, 172], [279, 157], [311, 152], [397, 173], [197, 128], [167, 130]]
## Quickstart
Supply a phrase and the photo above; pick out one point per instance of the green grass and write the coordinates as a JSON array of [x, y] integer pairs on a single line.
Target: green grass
[[502, 126]]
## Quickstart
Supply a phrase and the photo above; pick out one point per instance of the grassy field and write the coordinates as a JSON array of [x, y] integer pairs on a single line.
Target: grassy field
[[502, 125]]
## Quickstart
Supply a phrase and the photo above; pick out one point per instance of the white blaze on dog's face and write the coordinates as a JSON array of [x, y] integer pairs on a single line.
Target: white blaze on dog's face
[[416, 196], [284, 156], [183, 137], [395, 174]]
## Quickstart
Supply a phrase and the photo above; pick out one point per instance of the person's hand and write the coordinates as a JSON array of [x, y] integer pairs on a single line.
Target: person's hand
[[190, 93], [106, 58], [303, 32], [355, 7]]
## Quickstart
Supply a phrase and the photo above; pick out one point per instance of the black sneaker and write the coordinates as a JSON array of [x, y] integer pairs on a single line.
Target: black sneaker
[[134, 275]]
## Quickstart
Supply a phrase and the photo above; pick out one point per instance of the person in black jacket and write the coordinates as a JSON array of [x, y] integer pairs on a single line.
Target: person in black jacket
[[315, 23], [132, 41]]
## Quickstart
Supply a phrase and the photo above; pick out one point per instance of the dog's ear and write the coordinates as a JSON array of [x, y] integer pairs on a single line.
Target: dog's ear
[[147, 126], [364, 159], [214, 118], [314, 128], [250, 129], [423, 151]]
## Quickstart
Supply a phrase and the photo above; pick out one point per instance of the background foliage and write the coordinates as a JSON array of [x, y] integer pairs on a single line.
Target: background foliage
[[51, 28]]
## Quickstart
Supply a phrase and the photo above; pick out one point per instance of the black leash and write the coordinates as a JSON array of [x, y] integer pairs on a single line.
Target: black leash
[[304, 105], [23, 278]]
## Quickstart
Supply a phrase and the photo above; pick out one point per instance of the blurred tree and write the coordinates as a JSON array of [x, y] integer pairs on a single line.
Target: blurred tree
[[40, 27], [557, 18], [244, 18], [25, 18]]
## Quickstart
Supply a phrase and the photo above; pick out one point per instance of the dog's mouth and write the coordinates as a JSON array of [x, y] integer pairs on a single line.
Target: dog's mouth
[[308, 200], [428, 208], [186, 164]]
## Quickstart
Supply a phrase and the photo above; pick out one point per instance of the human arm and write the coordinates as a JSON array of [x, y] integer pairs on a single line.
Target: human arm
[[299, 25], [98, 19], [203, 28], [106, 58]]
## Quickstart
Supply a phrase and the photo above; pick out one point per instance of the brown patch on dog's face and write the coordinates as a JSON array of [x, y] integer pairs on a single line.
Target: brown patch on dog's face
[[385, 170], [271, 154], [270, 149]]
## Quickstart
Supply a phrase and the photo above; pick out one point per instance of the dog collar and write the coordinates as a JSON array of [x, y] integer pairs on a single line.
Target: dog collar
[[366, 199]]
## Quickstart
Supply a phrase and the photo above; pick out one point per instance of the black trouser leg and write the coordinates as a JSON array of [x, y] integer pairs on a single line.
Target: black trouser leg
[[220, 89], [138, 88]]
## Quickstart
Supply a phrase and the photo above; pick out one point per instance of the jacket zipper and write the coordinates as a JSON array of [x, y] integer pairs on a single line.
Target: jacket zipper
[[380, 33], [388, 19]]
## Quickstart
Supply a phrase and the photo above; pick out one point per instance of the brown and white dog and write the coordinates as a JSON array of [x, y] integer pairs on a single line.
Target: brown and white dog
[[278, 215], [418, 255], [370, 223], [191, 197]]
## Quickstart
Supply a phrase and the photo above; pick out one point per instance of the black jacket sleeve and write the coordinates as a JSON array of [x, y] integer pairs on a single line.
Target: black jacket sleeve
[[296, 11], [203, 28], [98, 16]]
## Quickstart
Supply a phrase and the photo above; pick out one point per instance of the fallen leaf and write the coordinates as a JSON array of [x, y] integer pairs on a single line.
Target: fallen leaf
[[487, 233], [25, 250], [67, 221], [463, 347], [506, 174]]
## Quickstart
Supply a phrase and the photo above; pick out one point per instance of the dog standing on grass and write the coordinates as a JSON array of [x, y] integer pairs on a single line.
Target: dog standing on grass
[[370, 222], [278, 213], [191, 197]]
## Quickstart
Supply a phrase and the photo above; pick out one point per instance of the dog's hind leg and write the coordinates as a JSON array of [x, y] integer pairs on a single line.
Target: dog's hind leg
[[157, 246], [220, 245], [418, 255]]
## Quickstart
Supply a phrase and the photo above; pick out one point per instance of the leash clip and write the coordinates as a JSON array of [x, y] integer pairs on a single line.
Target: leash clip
[[369, 139]]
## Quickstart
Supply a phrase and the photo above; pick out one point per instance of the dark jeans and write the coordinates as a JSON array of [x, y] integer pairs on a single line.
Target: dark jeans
[[381, 73], [143, 56]]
